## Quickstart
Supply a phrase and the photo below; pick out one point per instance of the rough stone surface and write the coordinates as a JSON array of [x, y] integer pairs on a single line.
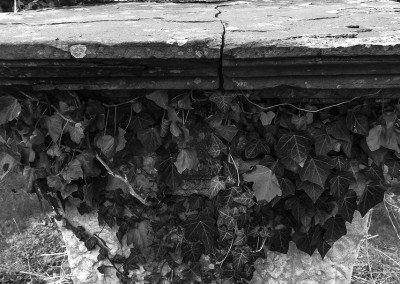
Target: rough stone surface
[[84, 263], [297, 267], [335, 44]]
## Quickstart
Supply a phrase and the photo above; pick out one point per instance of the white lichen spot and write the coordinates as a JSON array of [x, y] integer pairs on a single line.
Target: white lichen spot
[[197, 81], [240, 83], [78, 51], [171, 41], [175, 71], [231, 28], [198, 53], [181, 41]]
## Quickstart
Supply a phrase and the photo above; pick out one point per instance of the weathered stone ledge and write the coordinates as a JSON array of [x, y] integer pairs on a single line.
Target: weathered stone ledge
[[339, 44]]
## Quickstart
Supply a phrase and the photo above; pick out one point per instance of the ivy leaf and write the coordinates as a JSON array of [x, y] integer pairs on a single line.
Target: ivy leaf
[[380, 136], [318, 241], [72, 171], [338, 130], [340, 183], [256, 147], [347, 205], [375, 173], [159, 97], [240, 258], [217, 146], [225, 234], [106, 144], [265, 183], [216, 185], [373, 194], [140, 235], [335, 228], [393, 168], [223, 100], [241, 237], [323, 143], [227, 216], [279, 241], [312, 190], [192, 251], [75, 132], [202, 229], [275, 166], [287, 187], [185, 102], [341, 163], [245, 198], [165, 126], [227, 131], [266, 118], [316, 170], [150, 139], [9, 109], [297, 209], [87, 161], [121, 140], [304, 241], [187, 159], [141, 122], [167, 170], [295, 146], [54, 125], [357, 123]]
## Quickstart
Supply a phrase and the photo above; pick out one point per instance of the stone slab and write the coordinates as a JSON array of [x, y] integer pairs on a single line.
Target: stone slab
[[232, 45], [313, 44]]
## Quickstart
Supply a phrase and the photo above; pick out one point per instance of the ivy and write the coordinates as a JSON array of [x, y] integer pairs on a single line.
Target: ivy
[[197, 185]]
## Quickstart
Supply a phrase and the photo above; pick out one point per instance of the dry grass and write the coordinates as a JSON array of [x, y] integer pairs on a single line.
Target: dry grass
[[379, 259], [36, 255]]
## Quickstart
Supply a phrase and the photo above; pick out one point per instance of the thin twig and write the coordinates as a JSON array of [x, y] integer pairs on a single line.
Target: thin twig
[[123, 103], [226, 256], [262, 246], [237, 170], [307, 110], [26, 253], [123, 179]]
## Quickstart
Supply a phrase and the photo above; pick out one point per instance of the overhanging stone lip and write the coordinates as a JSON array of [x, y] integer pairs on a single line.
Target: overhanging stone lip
[[314, 44], [317, 44]]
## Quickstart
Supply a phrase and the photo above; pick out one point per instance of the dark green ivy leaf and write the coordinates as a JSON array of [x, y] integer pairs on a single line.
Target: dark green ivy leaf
[[335, 228], [294, 205], [340, 183], [225, 234], [141, 122], [202, 229], [240, 258], [373, 194], [316, 170], [375, 173], [357, 123], [256, 147], [338, 130], [393, 168], [280, 240], [347, 205], [192, 251], [217, 147], [318, 241], [323, 142], [295, 146], [227, 131], [167, 170], [341, 163], [9, 109], [150, 139], [223, 100], [304, 242], [313, 190]]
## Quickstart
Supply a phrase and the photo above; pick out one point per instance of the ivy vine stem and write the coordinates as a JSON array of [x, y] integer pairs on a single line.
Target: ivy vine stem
[[123, 179], [307, 110]]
